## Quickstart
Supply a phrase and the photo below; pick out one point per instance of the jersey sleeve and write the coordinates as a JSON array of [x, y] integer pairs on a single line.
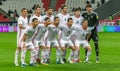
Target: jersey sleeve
[[26, 30], [58, 15], [83, 15], [96, 20], [30, 21], [61, 27], [20, 21]]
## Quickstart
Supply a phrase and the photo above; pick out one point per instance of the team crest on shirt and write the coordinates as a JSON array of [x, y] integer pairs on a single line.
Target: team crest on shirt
[[86, 16], [77, 22], [55, 30], [65, 19], [91, 16]]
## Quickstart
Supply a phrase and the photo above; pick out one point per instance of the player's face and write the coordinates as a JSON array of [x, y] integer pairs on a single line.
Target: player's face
[[77, 13], [35, 23], [50, 11], [85, 24], [48, 21], [38, 10], [65, 9], [70, 22], [89, 9], [24, 12], [56, 21]]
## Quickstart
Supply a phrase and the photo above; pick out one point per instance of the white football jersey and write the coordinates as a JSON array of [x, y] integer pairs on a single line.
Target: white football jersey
[[51, 18], [66, 32], [20, 32], [38, 17], [52, 32], [80, 33], [77, 20], [63, 18], [40, 31], [30, 31]]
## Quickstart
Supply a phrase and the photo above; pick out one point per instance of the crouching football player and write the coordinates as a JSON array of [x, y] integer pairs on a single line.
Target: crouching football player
[[27, 43], [82, 35]]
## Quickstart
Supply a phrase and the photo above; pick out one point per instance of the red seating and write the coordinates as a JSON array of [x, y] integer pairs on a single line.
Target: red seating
[[59, 4], [2, 19], [46, 4]]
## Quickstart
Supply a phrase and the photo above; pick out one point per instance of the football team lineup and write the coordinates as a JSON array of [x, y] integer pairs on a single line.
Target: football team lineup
[[61, 42], [41, 32]]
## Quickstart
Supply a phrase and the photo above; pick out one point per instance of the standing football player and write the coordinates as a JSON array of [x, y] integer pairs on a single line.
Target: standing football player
[[77, 18], [93, 22], [22, 24], [63, 15], [49, 14], [37, 15]]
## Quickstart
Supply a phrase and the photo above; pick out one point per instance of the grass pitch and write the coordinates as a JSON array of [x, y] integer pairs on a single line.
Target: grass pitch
[[109, 44]]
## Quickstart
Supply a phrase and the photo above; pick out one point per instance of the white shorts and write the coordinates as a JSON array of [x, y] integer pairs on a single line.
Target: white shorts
[[82, 43], [19, 40], [39, 43], [53, 43], [63, 43], [29, 45]]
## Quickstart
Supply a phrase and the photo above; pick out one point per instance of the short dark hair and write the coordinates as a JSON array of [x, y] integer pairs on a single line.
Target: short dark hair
[[34, 19], [63, 6], [23, 9], [89, 5], [55, 18], [77, 9], [69, 19], [49, 8], [84, 20], [37, 7], [46, 18]]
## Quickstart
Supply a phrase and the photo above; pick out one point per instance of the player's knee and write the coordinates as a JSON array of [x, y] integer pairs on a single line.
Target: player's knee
[[37, 48], [77, 48], [57, 47], [47, 48], [88, 48], [63, 48], [33, 51], [73, 48], [43, 47], [18, 48]]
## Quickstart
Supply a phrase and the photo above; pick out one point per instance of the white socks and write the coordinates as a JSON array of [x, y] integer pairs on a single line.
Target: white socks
[[16, 55], [23, 53], [88, 54]]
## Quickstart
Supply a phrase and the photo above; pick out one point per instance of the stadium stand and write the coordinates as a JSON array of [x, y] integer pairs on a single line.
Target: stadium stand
[[19, 4], [3, 18], [46, 4], [59, 4]]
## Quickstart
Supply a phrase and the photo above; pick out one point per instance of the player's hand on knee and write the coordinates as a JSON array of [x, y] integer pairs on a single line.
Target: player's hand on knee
[[63, 48]]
